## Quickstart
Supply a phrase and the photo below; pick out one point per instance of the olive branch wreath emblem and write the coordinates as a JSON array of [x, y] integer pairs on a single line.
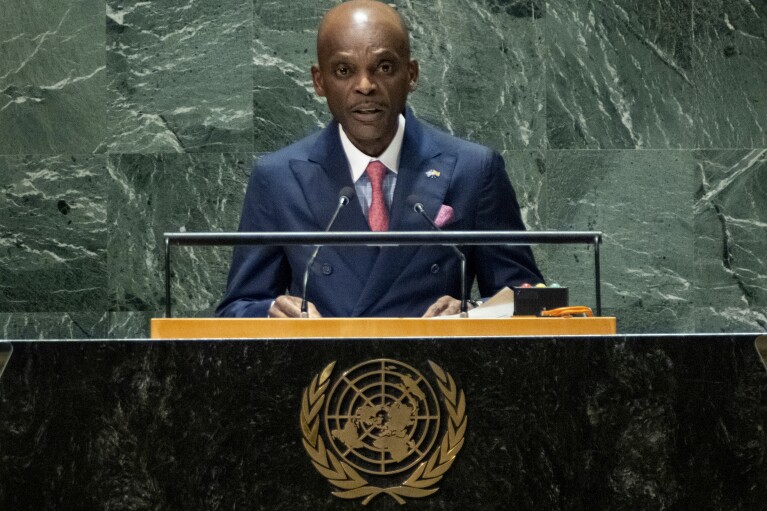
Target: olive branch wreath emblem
[[351, 484]]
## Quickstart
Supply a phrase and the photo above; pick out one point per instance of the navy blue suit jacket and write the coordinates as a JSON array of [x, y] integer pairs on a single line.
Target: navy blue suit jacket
[[296, 189]]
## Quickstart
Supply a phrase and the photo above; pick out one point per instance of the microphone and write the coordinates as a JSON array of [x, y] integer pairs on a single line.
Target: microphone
[[417, 206], [344, 196]]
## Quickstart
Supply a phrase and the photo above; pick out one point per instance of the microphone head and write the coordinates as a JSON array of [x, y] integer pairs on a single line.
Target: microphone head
[[414, 203], [346, 194]]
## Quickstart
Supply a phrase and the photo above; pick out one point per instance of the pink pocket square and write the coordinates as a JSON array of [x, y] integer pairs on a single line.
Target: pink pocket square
[[444, 216]]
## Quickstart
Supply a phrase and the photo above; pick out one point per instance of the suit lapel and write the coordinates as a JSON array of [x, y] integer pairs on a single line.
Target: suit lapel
[[419, 156], [321, 178]]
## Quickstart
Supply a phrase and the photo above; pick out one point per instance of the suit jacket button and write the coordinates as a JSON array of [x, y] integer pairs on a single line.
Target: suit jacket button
[[435, 268], [327, 269]]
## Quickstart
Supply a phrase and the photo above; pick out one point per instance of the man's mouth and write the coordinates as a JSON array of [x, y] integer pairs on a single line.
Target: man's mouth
[[367, 111]]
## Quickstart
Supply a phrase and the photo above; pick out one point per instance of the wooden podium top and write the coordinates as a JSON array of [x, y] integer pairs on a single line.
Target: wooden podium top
[[217, 328]]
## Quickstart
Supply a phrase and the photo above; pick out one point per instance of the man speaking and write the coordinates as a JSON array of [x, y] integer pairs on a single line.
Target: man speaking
[[381, 160]]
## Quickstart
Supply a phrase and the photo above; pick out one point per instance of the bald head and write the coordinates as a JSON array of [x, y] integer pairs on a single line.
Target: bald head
[[361, 14], [364, 71]]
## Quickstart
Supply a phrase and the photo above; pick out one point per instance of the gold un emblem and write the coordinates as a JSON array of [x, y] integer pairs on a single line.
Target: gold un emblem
[[382, 430]]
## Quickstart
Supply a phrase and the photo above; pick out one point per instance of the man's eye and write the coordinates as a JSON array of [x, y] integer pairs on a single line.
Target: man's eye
[[386, 67], [342, 70]]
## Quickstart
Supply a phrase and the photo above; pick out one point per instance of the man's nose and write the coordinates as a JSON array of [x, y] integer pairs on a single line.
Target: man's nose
[[365, 84]]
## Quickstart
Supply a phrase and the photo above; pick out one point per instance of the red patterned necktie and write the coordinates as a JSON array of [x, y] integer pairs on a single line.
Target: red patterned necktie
[[378, 216]]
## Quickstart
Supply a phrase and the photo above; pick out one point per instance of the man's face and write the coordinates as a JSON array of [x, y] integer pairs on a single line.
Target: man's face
[[365, 74]]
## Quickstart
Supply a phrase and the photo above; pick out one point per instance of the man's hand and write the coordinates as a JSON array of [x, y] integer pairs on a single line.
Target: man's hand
[[286, 306], [444, 306]]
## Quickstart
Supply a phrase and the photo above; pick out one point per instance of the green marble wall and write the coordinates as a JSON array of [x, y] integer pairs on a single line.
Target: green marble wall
[[122, 120]]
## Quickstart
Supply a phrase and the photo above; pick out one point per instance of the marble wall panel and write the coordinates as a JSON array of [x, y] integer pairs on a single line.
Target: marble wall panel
[[619, 74], [555, 85], [476, 79], [731, 240], [52, 234], [480, 76], [527, 172], [642, 202], [52, 75], [731, 72], [131, 325], [153, 194], [62, 325], [285, 107], [179, 78]]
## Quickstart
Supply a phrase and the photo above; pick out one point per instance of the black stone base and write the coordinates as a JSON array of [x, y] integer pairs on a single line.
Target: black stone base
[[630, 422]]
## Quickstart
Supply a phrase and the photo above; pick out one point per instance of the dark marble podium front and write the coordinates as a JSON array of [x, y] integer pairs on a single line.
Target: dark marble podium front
[[569, 423]]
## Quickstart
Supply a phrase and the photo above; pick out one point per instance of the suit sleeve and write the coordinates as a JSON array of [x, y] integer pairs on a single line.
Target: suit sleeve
[[258, 273], [498, 209]]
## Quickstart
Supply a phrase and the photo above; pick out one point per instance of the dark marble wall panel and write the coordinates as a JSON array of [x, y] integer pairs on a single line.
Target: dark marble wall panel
[[153, 194], [526, 170], [642, 201], [480, 72], [619, 74], [51, 76], [731, 227], [53, 227], [285, 107], [555, 85], [62, 325], [130, 325], [477, 77], [179, 76], [731, 70]]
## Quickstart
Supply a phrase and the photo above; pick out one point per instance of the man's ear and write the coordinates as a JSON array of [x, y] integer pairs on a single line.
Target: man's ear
[[412, 69], [319, 88]]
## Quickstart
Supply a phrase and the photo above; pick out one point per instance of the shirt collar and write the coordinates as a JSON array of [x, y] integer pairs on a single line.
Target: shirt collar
[[358, 161]]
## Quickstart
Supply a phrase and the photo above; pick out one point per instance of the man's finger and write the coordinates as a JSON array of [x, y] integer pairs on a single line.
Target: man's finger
[[286, 306], [454, 307], [438, 308]]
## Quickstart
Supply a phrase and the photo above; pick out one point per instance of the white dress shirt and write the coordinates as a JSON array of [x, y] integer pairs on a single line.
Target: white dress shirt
[[358, 162]]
